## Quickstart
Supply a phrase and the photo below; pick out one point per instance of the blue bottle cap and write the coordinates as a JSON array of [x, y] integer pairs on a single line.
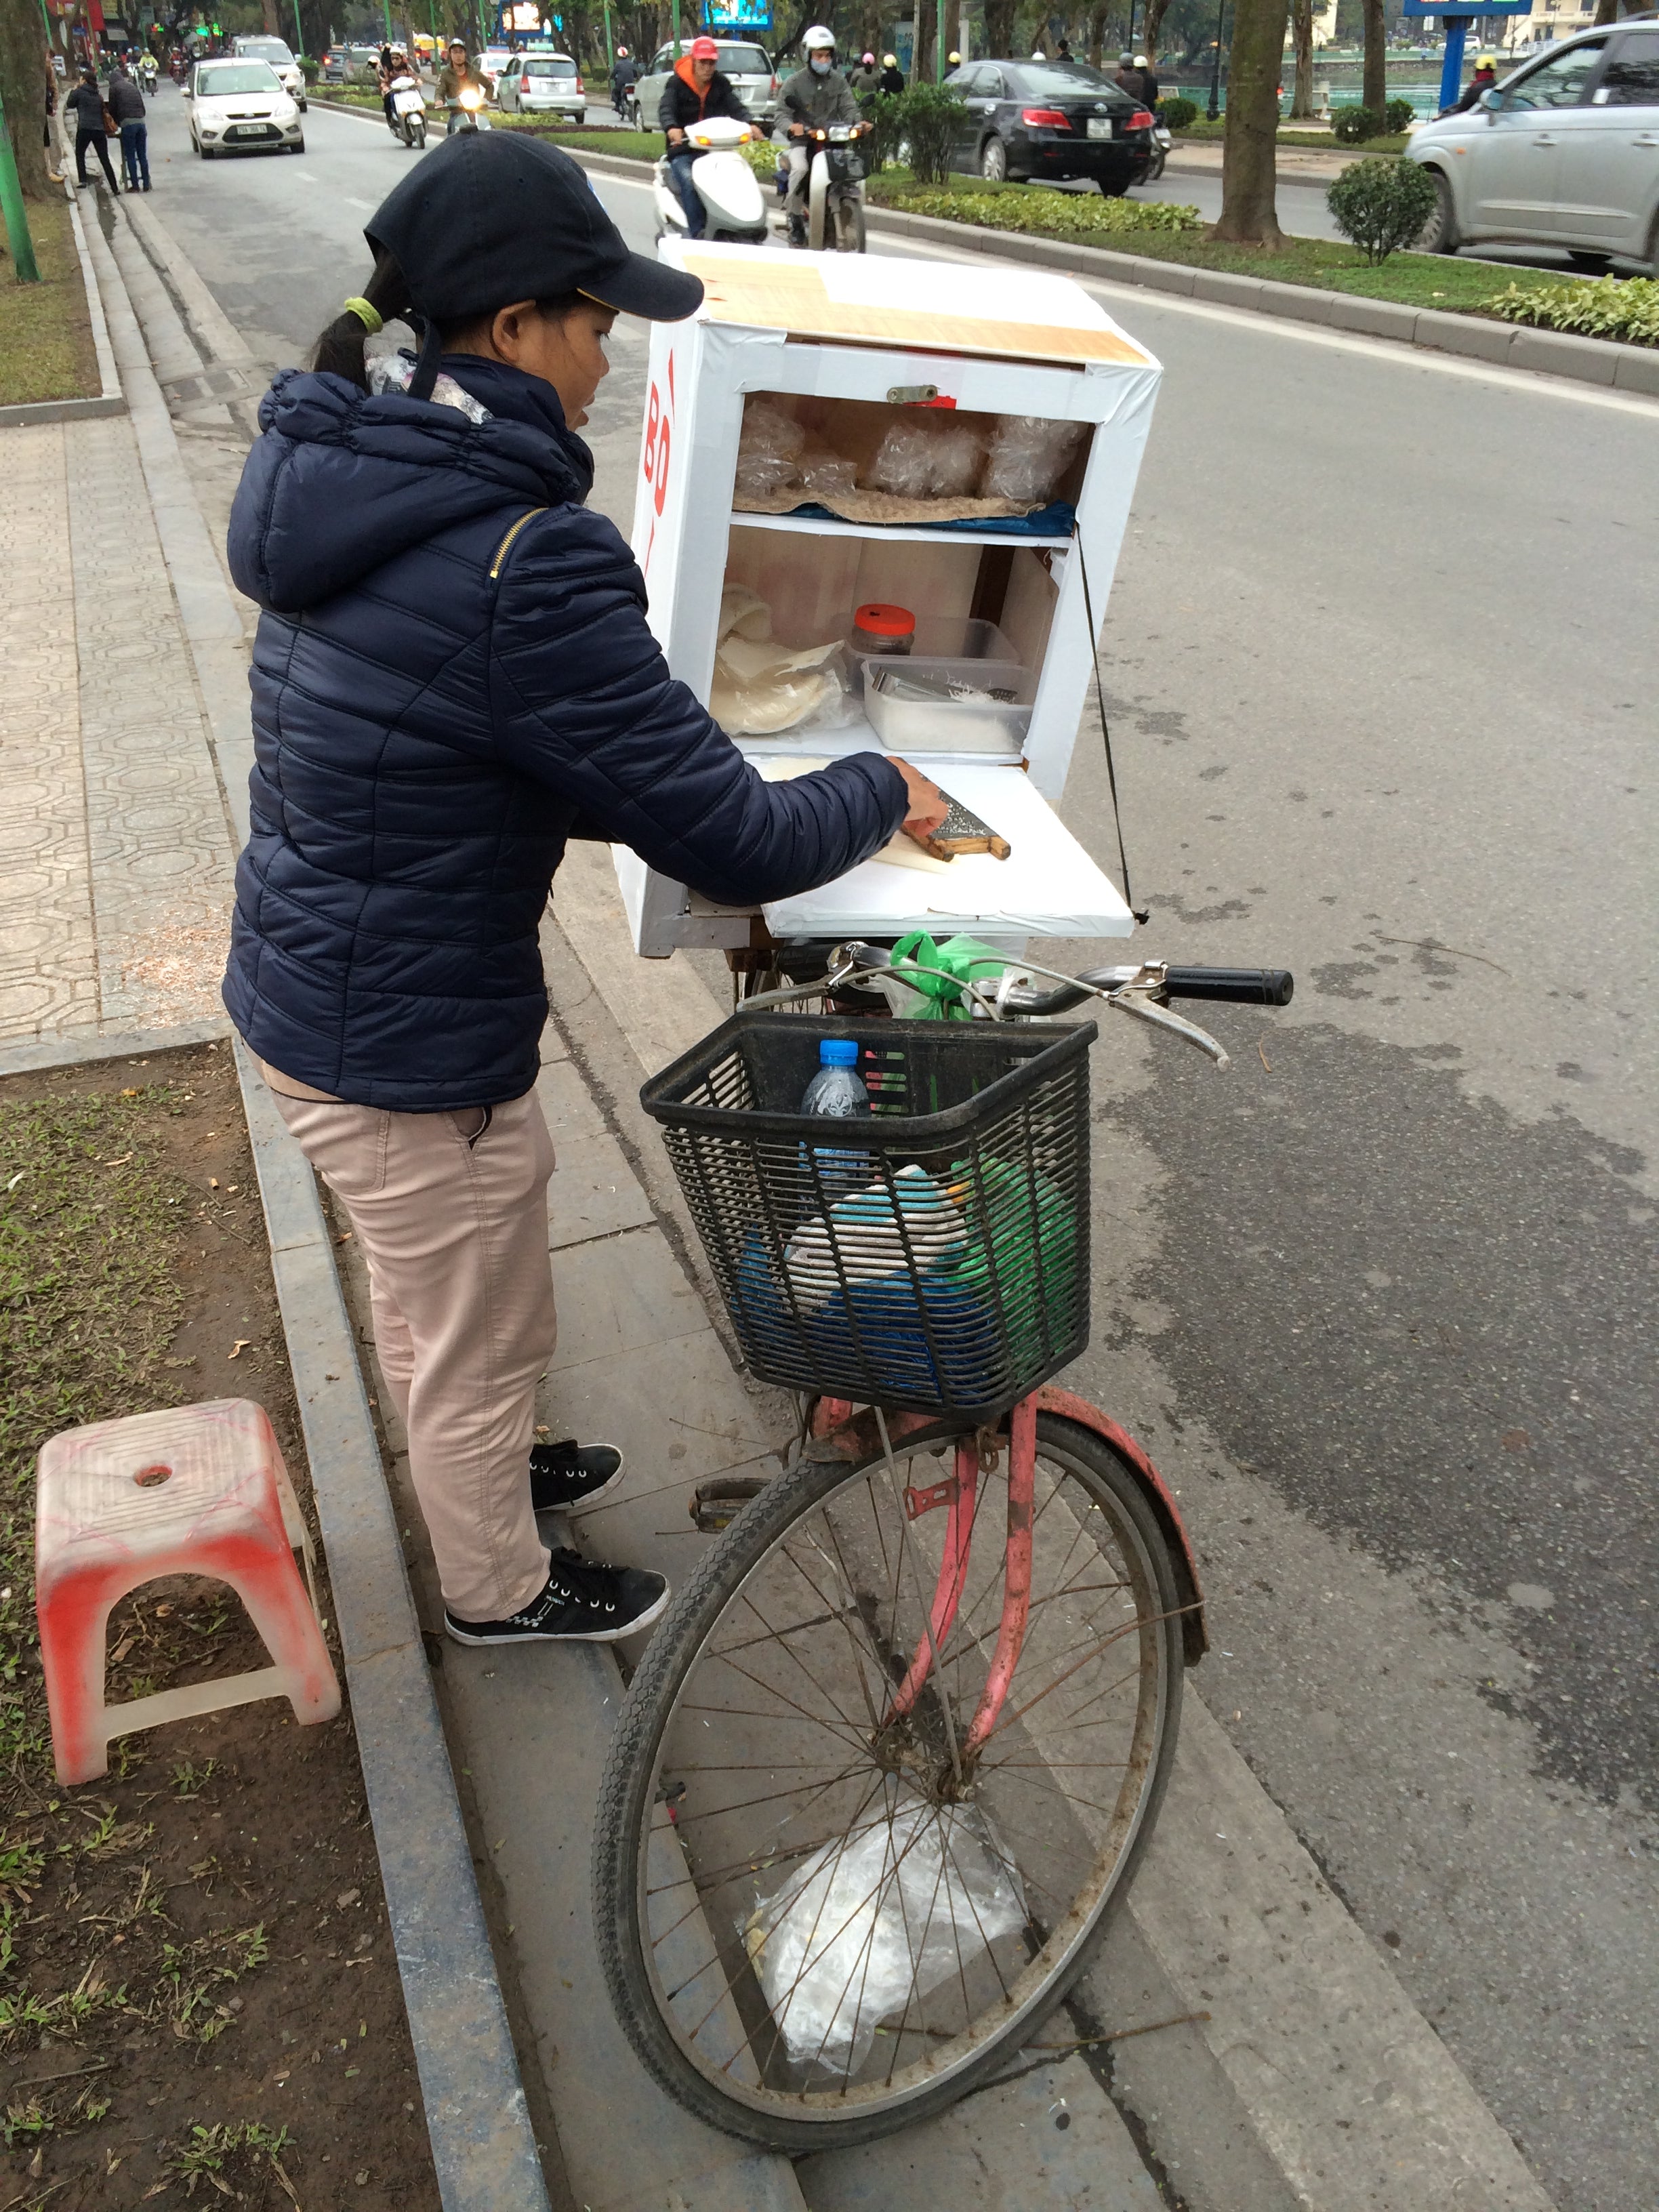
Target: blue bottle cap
[[837, 1052]]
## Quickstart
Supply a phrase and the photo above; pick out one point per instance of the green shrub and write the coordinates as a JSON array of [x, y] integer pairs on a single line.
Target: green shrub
[[935, 121], [886, 112], [1382, 205], [1177, 114], [310, 70], [1626, 308], [1397, 117], [1049, 214], [1349, 125]]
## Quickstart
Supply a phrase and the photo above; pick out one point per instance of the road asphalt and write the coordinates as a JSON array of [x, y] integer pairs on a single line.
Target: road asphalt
[[1380, 1298]]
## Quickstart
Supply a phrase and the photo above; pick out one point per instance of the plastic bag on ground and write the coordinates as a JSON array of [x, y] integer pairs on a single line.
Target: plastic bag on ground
[[875, 1920]]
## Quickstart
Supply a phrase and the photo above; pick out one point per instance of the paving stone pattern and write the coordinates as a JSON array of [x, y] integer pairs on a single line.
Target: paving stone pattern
[[115, 849]]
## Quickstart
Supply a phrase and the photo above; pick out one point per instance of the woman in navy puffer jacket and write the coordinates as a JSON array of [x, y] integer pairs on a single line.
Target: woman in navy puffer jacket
[[453, 671]]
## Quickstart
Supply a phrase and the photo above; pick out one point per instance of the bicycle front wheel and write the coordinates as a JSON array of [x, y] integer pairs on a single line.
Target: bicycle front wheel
[[852, 1842]]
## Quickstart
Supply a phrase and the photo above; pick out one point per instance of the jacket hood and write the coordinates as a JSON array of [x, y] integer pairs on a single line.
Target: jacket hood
[[343, 482]]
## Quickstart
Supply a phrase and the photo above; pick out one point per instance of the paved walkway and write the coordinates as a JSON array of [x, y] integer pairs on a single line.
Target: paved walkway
[[115, 849]]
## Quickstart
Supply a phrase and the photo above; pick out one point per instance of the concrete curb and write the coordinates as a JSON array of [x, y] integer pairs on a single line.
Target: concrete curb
[[68, 1050], [483, 2146], [111, 399], [1510, 345]]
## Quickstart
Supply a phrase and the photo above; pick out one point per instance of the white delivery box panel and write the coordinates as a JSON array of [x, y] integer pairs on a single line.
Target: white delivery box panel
[[844, 345]]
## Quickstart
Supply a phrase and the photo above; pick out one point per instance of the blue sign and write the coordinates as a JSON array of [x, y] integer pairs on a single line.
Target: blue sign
[[738, 15], [1465, 7]]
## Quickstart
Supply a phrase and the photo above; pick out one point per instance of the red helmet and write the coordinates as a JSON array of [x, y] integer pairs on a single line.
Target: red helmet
[[704, 49]]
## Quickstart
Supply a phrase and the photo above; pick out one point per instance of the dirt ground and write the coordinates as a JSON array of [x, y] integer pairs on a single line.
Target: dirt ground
[[198, 1998]]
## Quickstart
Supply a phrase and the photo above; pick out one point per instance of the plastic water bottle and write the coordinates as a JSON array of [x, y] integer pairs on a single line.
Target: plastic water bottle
[[836, 1091]]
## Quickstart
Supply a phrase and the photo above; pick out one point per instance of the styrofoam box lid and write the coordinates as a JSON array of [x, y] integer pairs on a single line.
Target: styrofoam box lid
[[1047, 887], [892, 300]]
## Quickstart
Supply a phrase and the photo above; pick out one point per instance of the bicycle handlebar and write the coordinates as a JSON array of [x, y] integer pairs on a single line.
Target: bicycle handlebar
[[1244, 987]]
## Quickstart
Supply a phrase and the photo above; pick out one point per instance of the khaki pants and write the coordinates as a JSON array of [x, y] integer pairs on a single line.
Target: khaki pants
[[450, 1212]]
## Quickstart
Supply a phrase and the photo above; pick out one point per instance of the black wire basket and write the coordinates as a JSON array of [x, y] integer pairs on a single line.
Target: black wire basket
[[934, 1257]]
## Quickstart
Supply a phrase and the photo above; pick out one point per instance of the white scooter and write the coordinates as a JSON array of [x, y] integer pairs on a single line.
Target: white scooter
[[1162, 141], [733, 208], [407, 117], [834, 190]]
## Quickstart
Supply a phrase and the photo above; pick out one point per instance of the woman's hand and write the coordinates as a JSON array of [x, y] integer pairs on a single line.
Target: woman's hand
[[928, 805]]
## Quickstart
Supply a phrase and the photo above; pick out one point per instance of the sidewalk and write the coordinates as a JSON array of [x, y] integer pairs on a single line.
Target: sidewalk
[[1294, 2070]]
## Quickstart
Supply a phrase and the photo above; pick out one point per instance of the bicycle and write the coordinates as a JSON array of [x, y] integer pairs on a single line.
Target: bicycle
[[896, 1748]]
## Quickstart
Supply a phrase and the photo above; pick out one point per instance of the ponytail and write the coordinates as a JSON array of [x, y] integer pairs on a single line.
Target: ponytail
[[339, 350]]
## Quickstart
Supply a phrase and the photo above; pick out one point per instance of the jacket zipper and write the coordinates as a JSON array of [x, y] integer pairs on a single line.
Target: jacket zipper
[[506, 545]]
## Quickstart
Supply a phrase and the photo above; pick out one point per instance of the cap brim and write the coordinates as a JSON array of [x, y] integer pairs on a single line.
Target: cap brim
[[641, 286]]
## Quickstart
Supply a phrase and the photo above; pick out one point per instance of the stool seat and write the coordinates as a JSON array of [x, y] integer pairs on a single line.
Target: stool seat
[[196, 1489]]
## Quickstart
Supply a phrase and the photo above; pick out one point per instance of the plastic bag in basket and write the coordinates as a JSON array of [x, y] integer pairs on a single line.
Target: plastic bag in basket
[[863, 1232], [875, 1920]]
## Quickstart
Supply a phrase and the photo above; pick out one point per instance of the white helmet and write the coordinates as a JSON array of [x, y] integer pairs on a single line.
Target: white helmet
[[816, 36]]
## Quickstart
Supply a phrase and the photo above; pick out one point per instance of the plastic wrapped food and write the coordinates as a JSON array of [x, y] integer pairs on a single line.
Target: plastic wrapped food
[[1029, 455], [927, 456], [767, 450], [824, 472], [760, 687], [876, 1919]]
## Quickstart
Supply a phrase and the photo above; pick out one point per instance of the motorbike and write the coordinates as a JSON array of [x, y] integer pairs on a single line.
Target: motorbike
[[1162, 141], [148, 73], [407, 105], [466, 110], [733, 208], [835, 189]]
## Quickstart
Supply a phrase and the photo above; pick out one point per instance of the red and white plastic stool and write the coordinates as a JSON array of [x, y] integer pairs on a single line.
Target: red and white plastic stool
[[199, 1490]]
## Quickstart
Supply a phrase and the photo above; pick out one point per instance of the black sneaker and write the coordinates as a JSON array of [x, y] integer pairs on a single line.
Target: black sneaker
[[566, 1477], [580, 1602], [797, 230]]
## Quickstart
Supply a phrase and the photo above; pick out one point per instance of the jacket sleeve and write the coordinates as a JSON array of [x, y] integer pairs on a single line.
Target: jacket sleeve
[[668, 108], [729, 103], [847, 107], [583, 702]]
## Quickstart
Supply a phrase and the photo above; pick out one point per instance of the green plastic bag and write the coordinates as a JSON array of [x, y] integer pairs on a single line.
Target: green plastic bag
[[962, 958]]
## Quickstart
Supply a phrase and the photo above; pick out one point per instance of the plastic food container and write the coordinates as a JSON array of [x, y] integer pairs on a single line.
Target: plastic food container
[[879, 629], [946, 725]]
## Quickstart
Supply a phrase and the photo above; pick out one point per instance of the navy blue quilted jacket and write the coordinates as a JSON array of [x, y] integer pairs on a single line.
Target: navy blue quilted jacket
[[433, 709]]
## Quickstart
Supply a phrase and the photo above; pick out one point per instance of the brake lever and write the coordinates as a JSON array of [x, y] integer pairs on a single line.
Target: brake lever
[[1138, 1000]]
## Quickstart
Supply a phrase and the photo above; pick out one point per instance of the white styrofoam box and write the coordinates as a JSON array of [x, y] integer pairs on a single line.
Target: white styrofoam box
[[864, 327]]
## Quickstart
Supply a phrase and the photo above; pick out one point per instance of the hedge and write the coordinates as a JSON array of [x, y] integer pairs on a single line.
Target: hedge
[[1625, 308], [1048, 215]]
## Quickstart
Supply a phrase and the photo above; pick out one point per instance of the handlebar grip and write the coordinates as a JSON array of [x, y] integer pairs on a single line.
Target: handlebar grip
[[1243, 987]]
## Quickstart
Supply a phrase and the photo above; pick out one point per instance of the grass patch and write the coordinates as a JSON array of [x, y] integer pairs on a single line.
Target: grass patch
[[1416, 280], [631, 145], [46, 350], [1205, 132]]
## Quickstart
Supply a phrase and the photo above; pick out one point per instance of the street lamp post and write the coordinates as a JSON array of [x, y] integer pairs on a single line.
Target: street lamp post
[[1214, 108]]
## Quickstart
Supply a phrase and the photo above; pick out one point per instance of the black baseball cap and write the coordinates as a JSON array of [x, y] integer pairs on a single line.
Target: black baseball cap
[[489, 217]]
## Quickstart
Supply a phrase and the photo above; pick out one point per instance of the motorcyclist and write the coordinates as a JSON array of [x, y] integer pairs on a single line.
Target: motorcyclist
[[394, 63], [814, 97], [625, 75], [696, 89], [864, 80], [891, 79], [456, 75], [149, 72], [1485, 75]]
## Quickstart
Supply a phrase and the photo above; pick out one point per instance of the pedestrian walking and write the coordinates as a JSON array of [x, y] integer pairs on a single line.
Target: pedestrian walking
[[92, 128], [453, 671], [125, 101]]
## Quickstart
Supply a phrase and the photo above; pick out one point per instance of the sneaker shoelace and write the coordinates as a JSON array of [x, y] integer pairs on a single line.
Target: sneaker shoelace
[[575, 1581]]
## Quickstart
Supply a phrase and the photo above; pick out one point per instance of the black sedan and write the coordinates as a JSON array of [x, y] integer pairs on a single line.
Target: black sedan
[[1050, 120]]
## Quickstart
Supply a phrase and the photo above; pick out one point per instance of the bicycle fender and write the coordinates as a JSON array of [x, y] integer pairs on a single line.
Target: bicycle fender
[[1195, 1629]]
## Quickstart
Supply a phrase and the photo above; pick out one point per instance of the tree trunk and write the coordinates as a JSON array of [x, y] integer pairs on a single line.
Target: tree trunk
[[1156, 11], [24, 66], [1248, 216], [1302, 15], [1374, 83], [998, 28], [1096, 33]]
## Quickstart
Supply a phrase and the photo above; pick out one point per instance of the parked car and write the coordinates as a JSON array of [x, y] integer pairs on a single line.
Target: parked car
[[239, 107], [1051, 119], [1564, 152], [491, 63], [542, 84], [750, 68], [289, 75]]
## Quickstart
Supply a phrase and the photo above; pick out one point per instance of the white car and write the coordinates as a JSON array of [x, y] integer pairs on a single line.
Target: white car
[[1564, 153], [542, 84], [289, 75], [240, 107]]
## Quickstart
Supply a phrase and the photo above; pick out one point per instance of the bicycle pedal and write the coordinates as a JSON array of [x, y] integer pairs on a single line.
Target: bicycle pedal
[[716, 1505]]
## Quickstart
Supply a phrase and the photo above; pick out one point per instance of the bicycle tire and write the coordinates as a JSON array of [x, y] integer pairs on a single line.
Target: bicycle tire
[[627, 1796]]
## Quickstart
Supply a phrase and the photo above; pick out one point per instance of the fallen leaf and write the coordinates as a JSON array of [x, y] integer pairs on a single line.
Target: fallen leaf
[[241, 1344], [1514, 1440], [119, 1162], [133, 1093], [347, 1897]]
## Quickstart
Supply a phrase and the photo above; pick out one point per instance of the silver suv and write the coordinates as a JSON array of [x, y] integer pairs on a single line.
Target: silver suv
[[1564, 153], [750, 68]]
